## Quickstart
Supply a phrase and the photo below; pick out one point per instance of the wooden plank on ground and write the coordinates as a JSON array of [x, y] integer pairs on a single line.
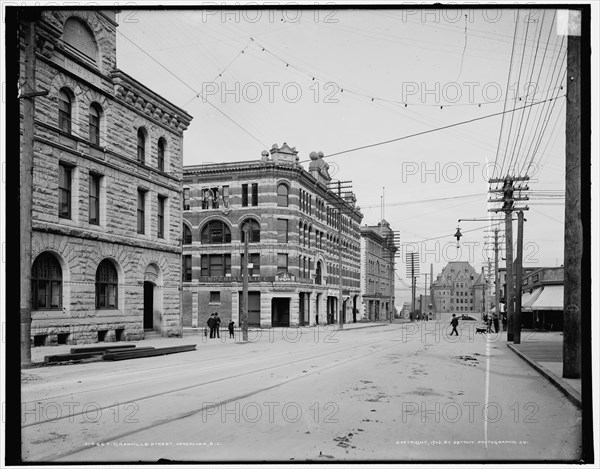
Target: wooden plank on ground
[[69, 357], [126, 355], [101, 348]]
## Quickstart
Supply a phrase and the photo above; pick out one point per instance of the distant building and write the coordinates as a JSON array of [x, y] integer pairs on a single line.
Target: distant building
[[453, 291], [295, 234], [424, 307], [107, 167], [405, 311], [377, 251]]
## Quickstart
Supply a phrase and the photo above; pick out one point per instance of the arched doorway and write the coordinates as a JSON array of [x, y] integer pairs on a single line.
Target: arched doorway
[[148, 305], [152, 298]]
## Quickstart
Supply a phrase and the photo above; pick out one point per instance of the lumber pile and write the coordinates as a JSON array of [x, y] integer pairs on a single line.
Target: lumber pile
[[113, 352]]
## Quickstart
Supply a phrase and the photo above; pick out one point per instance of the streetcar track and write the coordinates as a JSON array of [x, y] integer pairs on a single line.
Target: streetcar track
[[193, 412], [235, 355], [62, 417], [151, 377]]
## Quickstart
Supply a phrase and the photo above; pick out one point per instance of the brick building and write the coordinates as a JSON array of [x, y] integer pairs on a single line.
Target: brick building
[[107, 169], [377, 251], [293, 223]]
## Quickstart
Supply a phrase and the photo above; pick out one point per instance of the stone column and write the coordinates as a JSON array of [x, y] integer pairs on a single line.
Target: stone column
[[195, 309]]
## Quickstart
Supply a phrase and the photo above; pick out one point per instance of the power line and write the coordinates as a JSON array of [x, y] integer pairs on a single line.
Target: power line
[[506, 96], [512, 116], [191, 88], [392, 204], [449, 235], [540, 115], [456, 124], [539, 73], [354, 90], [514, 153]]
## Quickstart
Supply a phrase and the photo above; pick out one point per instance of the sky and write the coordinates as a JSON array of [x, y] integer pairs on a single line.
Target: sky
[[342, 79]]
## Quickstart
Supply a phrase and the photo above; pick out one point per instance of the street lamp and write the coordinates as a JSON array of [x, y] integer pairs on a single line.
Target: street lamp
[[457, 235]]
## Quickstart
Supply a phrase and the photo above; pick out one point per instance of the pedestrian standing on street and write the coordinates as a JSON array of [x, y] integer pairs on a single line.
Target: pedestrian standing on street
[[454, 323], [217, 325], [496, 323], [211, 325], [230, 327]]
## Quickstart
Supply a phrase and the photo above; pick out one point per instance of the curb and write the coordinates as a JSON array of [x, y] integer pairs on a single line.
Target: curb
[[563, 386], [365, 326]]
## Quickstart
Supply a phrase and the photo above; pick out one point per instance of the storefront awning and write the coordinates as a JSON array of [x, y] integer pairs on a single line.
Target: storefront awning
[[529, 298], [551, 298]]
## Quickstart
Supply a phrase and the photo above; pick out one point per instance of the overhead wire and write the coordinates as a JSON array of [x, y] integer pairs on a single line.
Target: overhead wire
[[487, 116], [505, 98], [178, 78], [550, 29], [514, 104], [539, 26]]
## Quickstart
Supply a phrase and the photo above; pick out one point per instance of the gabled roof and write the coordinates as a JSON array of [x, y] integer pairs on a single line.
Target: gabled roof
[[454, 271]]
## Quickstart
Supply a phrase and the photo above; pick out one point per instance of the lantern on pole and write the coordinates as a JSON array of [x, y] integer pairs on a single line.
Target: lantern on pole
[[457, 235]]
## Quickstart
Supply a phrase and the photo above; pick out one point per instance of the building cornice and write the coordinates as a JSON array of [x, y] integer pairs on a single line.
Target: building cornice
[[132, 92]]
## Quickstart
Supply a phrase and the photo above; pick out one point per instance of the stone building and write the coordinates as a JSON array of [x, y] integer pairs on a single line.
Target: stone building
[[377, 251], [107, 169], [294, 237], [453, 291]]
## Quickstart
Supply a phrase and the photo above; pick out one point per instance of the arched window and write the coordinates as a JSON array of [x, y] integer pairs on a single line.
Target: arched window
[[46, 282], [80, 40], [305, 235], [65, 107], [162, 144], [106, 285], [141, 145], [187, 234], [282, 195], [215, 232], [318, 273], [94, 123], [253, 230]]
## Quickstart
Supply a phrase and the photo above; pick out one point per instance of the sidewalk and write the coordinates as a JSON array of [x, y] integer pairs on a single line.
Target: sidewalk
[[544, 353]]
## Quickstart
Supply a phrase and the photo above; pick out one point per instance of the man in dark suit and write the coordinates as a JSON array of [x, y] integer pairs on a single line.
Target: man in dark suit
[[217, 325], [211, 325], [454, 323]]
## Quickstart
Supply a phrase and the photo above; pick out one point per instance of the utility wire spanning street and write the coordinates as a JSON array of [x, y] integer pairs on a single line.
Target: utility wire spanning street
[[392, 393]]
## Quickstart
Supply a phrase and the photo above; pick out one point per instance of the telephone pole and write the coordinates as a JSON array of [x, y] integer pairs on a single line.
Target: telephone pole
[[425, 296], [519, 279], [572, 310], [26, 179], [412, 272], [508, 199], [496, 276], [341, 203], [391, 239], [244, 309]]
